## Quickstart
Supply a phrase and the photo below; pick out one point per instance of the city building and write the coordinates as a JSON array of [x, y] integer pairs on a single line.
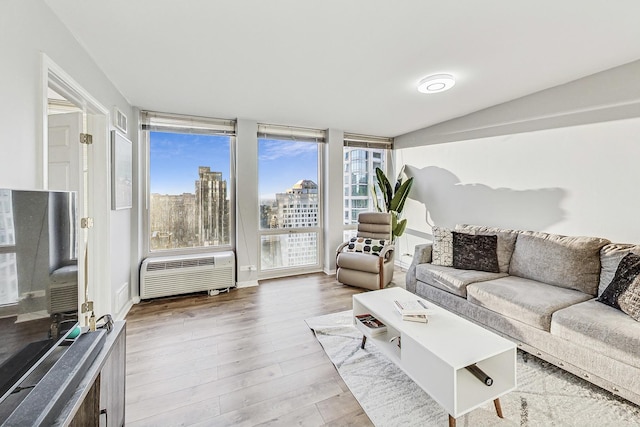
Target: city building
[[173, 221], [212, 207], [190, 220], [359, 178], [296, 208]]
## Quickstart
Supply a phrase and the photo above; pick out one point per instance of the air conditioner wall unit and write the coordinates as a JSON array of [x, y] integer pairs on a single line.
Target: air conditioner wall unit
[[175, 275]]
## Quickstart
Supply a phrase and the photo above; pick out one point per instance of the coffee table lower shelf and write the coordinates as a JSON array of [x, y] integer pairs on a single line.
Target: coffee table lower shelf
[[435, 355]]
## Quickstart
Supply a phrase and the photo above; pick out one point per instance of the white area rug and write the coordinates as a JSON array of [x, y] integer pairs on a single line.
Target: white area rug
[[546, 395]]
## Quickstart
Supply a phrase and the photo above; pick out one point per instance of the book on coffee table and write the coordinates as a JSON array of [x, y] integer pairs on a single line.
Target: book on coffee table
[[415, 318], [368, 324], [412, 310]]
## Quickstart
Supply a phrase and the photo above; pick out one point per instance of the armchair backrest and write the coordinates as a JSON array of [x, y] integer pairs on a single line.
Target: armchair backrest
[[374, 225]]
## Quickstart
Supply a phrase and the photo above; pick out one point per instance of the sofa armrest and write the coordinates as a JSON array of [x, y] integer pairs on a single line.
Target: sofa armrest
[[421, 255]]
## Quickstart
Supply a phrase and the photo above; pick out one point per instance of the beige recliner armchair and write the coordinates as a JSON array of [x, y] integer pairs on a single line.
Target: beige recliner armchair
[[366, 261]]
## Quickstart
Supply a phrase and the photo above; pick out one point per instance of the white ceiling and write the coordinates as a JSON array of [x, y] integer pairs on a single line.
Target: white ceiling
[[346, 64]]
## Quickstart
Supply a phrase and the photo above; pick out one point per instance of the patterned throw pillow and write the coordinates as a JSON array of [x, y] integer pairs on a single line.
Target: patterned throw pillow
[[442, 251], [475, 252], [629, 301], [366, 245], [627, 271]]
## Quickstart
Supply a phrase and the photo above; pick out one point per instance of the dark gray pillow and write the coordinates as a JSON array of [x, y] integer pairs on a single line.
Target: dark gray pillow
[[475, 252], [627, 271]]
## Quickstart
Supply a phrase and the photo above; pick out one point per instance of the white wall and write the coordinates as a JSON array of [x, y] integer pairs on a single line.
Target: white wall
[[247, 206], [333, 163], [28, 29], [562, 160]]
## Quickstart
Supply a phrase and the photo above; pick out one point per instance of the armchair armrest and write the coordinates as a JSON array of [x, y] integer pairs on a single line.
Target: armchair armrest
[[387, 251], [341, 247]]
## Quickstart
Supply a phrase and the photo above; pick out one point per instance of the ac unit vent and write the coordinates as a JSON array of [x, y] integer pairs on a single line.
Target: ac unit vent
[[185, 274], [181, 263], [62, 297]]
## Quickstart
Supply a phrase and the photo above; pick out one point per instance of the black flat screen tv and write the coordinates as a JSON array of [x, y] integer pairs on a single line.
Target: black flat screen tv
[[38, 282]]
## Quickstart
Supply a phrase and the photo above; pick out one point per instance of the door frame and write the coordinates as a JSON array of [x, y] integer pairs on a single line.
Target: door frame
[[97, 183]]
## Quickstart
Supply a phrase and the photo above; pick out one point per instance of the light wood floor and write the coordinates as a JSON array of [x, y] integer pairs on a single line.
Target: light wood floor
[[245, 358]]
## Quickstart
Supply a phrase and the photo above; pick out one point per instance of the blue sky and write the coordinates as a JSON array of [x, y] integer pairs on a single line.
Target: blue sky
[[175, 158], [283, 163]]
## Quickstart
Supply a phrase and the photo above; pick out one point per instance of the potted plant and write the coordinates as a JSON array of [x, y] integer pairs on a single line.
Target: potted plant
[[394, 198]]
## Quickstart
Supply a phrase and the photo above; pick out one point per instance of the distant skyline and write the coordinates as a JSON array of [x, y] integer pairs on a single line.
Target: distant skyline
[[175, 158]]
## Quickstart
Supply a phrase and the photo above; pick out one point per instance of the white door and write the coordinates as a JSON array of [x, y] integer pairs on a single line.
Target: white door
[[64, 151]]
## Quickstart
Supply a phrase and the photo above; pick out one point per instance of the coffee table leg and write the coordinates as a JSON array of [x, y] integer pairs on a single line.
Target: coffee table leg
[[364, 340], [452, 421], [496, 403]]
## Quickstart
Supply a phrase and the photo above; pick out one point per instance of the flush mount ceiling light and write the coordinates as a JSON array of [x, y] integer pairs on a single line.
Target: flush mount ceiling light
[[436, 83]]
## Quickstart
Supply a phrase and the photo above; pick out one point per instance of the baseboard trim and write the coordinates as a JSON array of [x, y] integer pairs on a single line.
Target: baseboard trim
[[247, 284]]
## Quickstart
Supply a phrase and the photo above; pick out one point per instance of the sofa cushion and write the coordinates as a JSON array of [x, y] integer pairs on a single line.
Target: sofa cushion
[[600, 328], [528, 301], [610, 257], [506, 241], [627, 271], [568, 262], [475, 252], [451, 279], [442, 251], [629, 301]]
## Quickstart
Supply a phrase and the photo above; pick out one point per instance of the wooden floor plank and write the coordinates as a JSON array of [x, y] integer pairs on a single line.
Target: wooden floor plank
[[242, 358]]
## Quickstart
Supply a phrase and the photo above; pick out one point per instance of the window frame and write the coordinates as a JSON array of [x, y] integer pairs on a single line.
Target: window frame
[[367, 143], [151, 121], [289, 133]]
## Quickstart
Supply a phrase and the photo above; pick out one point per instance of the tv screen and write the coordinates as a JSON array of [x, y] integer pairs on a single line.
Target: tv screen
[[38, 279]]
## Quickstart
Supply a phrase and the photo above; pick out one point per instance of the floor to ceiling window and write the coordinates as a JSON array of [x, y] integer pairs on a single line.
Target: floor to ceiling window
[[190, 182], [289, 184], [362, 155]]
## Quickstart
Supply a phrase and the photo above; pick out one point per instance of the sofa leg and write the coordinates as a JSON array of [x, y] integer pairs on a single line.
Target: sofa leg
[[496, 403], [364, 340], [452, 421]]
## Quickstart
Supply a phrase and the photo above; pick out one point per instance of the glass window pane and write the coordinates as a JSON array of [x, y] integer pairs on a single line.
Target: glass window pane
[[287, 183], [361, 165], [288, 250], [288, 190], [188, 180]]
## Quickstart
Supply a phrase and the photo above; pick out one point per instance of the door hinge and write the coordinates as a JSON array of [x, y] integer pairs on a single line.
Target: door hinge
[[86, 138], [87, 306], [86, 222]]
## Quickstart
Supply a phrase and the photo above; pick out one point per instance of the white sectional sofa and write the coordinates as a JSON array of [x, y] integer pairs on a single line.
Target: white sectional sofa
[[543, 294]]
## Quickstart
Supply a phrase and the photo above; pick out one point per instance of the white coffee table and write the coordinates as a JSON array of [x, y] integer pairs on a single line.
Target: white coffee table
[[435, 354]]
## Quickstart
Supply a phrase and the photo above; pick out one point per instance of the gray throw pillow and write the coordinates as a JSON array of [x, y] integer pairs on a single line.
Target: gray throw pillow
[[475, 252]]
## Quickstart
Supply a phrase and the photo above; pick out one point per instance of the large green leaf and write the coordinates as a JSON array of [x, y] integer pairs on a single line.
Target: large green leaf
[[385, 187], [397, 203], [394, 199], [399, 228]]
